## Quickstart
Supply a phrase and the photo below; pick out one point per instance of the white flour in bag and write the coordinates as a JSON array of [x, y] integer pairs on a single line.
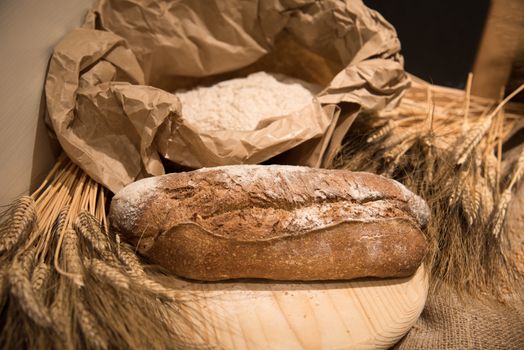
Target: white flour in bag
[[240, 104]]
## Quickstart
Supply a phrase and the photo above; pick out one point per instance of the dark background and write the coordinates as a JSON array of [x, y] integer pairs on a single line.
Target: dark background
[[439, 38]]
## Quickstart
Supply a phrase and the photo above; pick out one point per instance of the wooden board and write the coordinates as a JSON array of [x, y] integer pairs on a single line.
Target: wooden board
[[365, 314]]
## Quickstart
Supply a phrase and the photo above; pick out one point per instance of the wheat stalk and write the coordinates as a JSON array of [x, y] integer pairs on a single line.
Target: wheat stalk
[[467, 101], [88, 269], [57, 228]]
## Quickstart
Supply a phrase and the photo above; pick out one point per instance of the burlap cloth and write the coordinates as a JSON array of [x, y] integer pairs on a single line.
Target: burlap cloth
[[450, 323]]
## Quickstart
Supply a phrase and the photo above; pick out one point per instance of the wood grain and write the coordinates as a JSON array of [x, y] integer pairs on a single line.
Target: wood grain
[[364, 314]]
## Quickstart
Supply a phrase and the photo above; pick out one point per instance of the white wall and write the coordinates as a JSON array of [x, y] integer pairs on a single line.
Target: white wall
[[28, 31]]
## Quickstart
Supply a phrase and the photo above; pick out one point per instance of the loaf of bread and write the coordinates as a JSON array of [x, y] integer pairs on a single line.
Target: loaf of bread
[[273, 222]]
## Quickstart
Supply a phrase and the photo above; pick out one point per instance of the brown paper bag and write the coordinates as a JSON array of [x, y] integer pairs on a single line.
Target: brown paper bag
[[108, 86]]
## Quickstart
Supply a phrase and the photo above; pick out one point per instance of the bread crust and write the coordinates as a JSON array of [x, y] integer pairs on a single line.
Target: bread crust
[[274, 222]]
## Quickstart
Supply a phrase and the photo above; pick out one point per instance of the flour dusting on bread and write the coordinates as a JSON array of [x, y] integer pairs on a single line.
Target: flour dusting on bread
[[129, 202]]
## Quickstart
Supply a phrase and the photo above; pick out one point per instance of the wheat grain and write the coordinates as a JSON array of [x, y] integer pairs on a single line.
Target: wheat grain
[[89, 228], [395, 153], [505, 199], [40, 281], [92, 332], [456, 188], [471, 140], [61, 317], [429, 152], [21, 288], [400, 137], [490, 170], [139, 276], [470, 198], [118, 244], [18, 227], [44, 245], [40, 276], [519, 170], [72, 258], [134, 268], [382, 131], [486, 200], [449, 187], [85, 225], [155, 288], [108, 273], [70, 251], [500, 214]]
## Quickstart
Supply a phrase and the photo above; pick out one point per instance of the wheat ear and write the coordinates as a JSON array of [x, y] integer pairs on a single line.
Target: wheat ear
[[19, 225], [519, 170], [108, 273], [22, 289], [491, 170], [71, 254], [456, 189], [505, 199], [471, 202], [40, 276], [88, 227], [139, 277], [486, 200], [472, 139], [382, 131], [90, 327], [500, 214]]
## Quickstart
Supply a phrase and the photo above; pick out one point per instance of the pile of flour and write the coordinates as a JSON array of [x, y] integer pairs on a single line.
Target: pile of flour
[[240, 104]]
